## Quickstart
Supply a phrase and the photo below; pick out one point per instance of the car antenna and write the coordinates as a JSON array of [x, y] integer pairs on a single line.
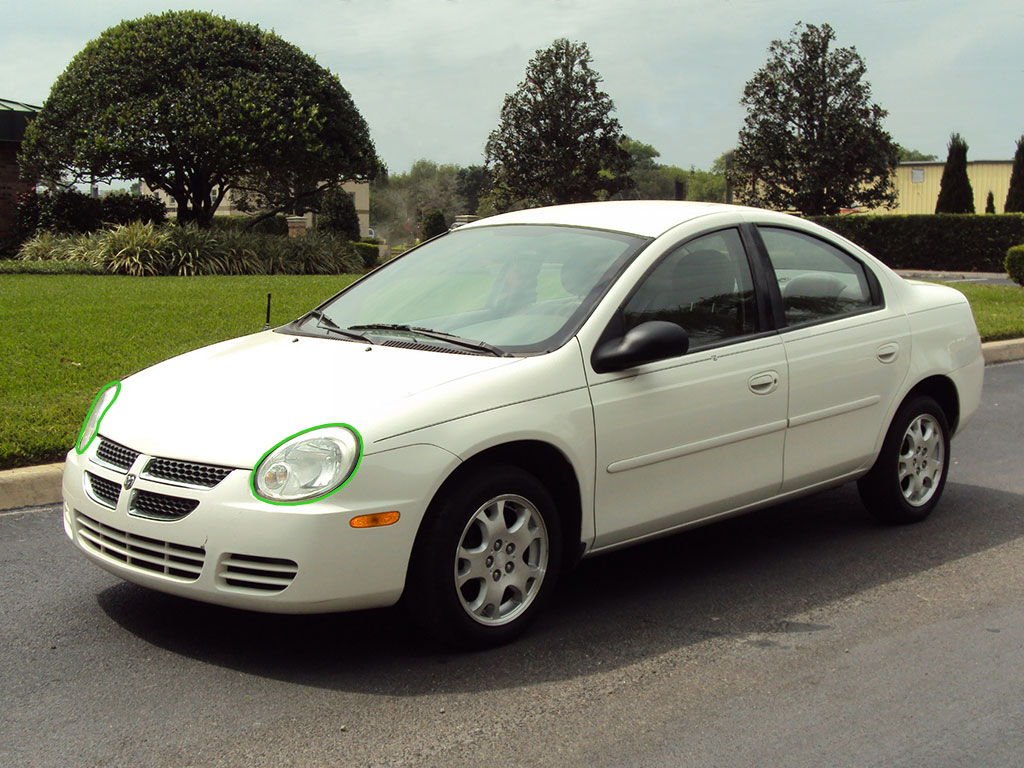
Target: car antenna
[[266, 327]]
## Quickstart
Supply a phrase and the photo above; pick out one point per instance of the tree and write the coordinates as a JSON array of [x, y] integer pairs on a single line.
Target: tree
[[199, 106], [812, 139], [912, 155], [433, 225], [557, 141], [641, 156], [1015, 195], [990, 203], [955, 192], [471, 184], [398, 202], [338, 214]]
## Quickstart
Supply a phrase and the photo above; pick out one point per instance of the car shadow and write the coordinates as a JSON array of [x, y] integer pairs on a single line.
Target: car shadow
[[741, 576]]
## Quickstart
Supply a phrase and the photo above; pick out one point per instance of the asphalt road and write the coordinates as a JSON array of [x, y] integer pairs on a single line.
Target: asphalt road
[[805, 635]]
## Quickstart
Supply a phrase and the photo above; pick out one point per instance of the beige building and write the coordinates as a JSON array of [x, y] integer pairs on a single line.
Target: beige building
[[360, 191], [917, 185]]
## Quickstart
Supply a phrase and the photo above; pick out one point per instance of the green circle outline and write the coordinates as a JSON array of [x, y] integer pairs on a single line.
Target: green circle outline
[[349, 476], [79, 448]]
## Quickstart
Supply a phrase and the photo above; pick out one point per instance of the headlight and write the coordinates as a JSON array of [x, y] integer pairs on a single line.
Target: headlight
[[308, 465], [100, 406]]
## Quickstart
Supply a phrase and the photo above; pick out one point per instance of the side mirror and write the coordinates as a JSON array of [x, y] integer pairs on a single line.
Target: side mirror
[[646, 343]]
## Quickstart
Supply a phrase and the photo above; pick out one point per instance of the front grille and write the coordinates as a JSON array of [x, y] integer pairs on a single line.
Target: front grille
[[116, 454], [177, 561], [157, 506], [248, 573], [186, 472], [106, 492]]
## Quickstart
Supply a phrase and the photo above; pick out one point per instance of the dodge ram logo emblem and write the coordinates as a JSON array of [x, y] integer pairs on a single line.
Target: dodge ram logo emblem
[[129, 481]]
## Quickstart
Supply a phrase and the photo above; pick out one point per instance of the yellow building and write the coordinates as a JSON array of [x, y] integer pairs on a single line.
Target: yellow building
[[917, 185]]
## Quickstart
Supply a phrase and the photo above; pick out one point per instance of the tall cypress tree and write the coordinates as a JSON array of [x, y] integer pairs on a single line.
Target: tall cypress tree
[[1015, 197], [955, 193]]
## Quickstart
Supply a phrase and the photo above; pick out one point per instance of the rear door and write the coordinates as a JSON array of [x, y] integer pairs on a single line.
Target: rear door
[[847, 350]]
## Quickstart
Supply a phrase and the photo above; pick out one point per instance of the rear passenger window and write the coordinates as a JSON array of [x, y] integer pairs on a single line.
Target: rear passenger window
[[817, 280]]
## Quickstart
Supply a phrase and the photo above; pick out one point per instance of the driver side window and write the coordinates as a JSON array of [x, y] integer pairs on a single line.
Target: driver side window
[[703, 286]]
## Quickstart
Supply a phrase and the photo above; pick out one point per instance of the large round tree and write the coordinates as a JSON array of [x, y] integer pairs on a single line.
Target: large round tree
[[813, 140], [199, 106], [557, 141]]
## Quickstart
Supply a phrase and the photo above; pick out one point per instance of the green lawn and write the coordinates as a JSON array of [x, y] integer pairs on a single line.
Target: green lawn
[[998, 309], [65, 336]]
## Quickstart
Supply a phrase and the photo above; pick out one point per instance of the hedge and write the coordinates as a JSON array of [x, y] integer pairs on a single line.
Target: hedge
[[957, 242]]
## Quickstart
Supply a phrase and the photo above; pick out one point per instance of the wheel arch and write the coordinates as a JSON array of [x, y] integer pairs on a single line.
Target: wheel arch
[[550, 466], [944, 392]]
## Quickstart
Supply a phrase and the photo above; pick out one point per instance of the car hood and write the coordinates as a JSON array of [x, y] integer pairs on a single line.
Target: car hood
[[231, 402]]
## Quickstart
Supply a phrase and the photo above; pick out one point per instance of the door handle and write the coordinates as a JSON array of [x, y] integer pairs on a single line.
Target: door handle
[[887, 353], [763, 383]]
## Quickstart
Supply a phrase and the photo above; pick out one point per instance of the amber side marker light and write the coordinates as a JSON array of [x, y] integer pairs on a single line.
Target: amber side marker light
[[376, 520]]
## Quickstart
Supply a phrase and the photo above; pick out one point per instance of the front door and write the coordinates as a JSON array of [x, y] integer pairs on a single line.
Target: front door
[[691, 437]]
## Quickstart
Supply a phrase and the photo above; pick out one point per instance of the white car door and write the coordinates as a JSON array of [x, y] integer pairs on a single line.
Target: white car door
[[848, 354], [685, 438]]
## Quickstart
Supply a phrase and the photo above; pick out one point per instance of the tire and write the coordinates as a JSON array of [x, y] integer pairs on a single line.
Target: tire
[[486, 559], [909, 475]]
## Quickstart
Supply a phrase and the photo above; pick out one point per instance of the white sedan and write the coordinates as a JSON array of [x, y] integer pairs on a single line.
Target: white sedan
[[461, 425]]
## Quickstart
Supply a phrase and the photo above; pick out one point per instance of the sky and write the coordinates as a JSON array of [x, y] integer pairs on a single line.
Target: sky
[[429, 76]]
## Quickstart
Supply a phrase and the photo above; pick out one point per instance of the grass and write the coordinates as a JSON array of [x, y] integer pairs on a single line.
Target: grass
[[998, 309], [65, 336]]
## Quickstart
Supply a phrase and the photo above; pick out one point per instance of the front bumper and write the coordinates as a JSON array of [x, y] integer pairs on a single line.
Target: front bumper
[[233, 549]]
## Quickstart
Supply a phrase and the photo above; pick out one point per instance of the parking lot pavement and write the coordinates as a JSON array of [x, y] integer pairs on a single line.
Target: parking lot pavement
[[984, 278]]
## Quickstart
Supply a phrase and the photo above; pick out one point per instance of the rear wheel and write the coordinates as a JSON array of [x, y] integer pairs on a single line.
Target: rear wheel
[[486, 559], [909, 475]]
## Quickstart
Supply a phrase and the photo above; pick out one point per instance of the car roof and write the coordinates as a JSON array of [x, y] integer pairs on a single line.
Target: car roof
[[647, 218]]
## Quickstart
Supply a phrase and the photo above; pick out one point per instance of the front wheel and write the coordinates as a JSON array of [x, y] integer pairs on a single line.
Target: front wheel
[[909, 475], [486, 559]]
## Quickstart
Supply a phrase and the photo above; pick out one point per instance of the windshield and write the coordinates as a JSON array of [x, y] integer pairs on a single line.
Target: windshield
[[516, 288]]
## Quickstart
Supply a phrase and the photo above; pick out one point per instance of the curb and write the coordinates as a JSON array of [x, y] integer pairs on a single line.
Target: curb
[[1005, 351], [38, 486], [30, 486]]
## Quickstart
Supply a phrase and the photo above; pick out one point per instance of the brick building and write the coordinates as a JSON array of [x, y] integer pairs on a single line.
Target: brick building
[[14, 116]]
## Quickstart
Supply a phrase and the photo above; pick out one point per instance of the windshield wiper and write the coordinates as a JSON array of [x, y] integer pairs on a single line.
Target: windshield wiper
[[324, 323], [451, 338]]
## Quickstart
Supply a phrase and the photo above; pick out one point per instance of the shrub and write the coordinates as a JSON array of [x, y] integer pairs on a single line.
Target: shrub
[[272, 225], [69, 211], [44, 246], [135, 249], [433, 225], [192, 250], [142, 249], [1014, 264], [933, 241], [241, 251], [338, 214], [123, 208], [367, 254]]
